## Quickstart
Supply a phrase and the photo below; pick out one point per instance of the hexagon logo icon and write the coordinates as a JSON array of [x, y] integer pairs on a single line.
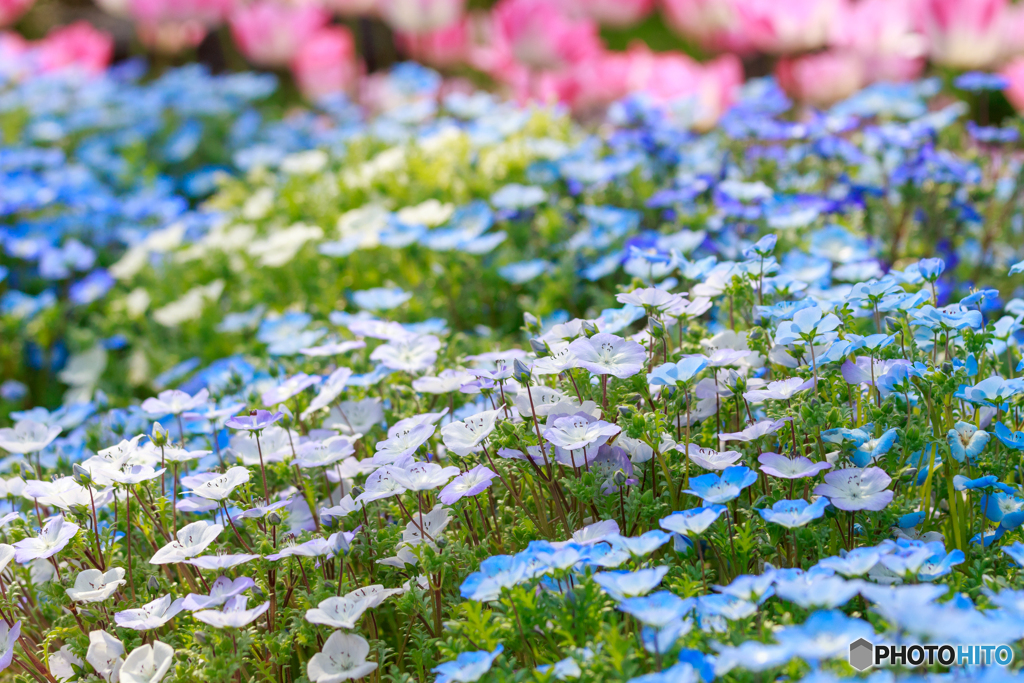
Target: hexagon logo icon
[[862, 654]]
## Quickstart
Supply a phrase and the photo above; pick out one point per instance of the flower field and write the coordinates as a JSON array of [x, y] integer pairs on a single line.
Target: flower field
[[445, 384]]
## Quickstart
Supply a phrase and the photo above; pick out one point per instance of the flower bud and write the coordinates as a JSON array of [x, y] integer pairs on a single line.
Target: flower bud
[[200, 637], [892, 324], [589, 328], [81, 475], [619, 478], [626, 411], [153, 583], [159, 437], [442, 542], [520, 372], [531, 323], [273, 518], [357, 491], [657, 327], [538, 347]]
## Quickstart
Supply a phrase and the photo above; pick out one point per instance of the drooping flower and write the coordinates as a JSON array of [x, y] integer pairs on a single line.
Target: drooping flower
[[191, 540], [221, 590]]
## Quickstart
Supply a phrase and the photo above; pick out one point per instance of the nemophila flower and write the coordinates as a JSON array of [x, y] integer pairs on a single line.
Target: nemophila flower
[[621, 585], [642, 545], [710, 459], [151, 615], [469, 483], [426, 526], [424, 476], [661, 640], [338, 612], [466, 436], [809, 325], [1016, 552], [715, 489], [694, 521], [966, 442], [104, 655], [793, 514], [220, 562], [656, 610], [402, 444], [147, 663], [750, 588], [412, 354], [221, 590], [290, 387], [191, 540], [255, 421], [776, 465], [342, 658], [355, 417], [607, 354], [563, 669], [939, 565], [62, 664], [28, 436], [467, 667], [673, 373], [649, 298], [93, 585], [380, 298], [753, 431], [856, 489], [330, 390], [817, 590], [825, 635], [324, 453], [781, 390], [998, 504], [580, 431], [219, 488], [445, 382], [233, 615], [55, 534], [381, 484], [872, 449], [856, 562], [129, 475], [174, 402]]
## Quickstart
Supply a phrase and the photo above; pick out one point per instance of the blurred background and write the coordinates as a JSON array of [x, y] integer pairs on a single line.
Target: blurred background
[[583, 53]]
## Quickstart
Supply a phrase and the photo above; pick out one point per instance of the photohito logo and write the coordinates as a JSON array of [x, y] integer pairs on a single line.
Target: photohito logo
[[864, 654]]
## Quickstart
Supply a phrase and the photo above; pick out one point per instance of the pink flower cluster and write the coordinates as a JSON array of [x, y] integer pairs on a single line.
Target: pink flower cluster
[[75, 46]]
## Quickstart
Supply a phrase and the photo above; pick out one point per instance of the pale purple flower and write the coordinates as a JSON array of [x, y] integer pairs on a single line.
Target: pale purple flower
[[329, 391], [234, 614], [402, 444], [781, 390], [342, 658], [799, 467], [424, 476], [754, 431], [190, 540], [221, 590], [220, 487], [720, 358], [27, 436], [9, 636], [324, 453], [468, 483], [651, 298], [52, 538], [381, 484], [411, 354], [151, 615], [261, 511], [104, 654], [220, 562], [332, 348], [608, 354], [255, 421], [466, 436], [856, 489], [444, 383], [292, 386], [92, 585]]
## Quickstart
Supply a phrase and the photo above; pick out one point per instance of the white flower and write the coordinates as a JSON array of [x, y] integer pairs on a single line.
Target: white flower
[[465, 437], [27, 436], [221, 590], [221, 487], [424, 476], [92, 585], [429, 525], [446, 382], [220, 561], [234, 614], [192, 539], [383, 483], [52, 538], [343, 658], [355, 417], [104, 655], [60, 664], [151, 615], [373, 595], [329, 391], [324, 453], [7, 553], [147, 663], [65, 493], [341, 612], [403, 443], [412, 355], [133, 474]]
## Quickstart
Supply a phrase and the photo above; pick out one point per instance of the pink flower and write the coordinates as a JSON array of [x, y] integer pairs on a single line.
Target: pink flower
[[78, 45], [714, 24], [326, 63], [10, 10], [788, 27], [444, 47], [822, 78], [540, 36], [965, 34], [270, 33], [421, 16], [611, 12], [884, 34], [171, 37], [352, 8], [1014, 73], [206, 12]]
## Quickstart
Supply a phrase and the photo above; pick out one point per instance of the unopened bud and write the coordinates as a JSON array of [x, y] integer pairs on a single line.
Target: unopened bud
[[619, 478], [357, 491], [273, 518], [656, 326], [520, 372], [754, 334], [442, 542], [589, 328], [626, 411], [153, 583], [892, 324], [200, 637], [159, 437], [531, 322], [81, 475], [538, 347]]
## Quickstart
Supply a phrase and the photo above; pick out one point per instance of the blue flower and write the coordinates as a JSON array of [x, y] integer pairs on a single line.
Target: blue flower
[[642, 545], [1016, 552], [872, 449], [966, 441], [712, 488], [380, 298], [515, 196], [524, 271], [692, 522], [621, 585], [1010, 439], [673, 373], [976, 81], [658, 609], [939, 565], [794, 513], [467, 667]]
